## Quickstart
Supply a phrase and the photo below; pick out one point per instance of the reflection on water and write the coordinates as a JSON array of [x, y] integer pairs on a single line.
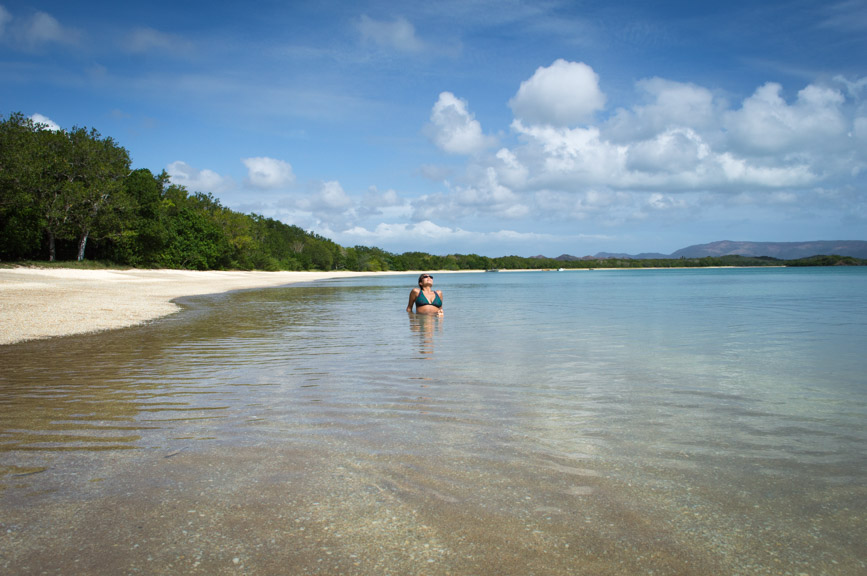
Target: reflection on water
[[425, 326], [671, 423]]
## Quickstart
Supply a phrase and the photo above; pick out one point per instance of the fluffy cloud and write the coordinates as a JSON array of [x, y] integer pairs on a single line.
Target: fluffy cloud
[[485, 196], [509, 169], [435, 238], [741, 171], [196, 180], [563, 94], [373, 197], [387, 204], [767, 124], [454, 129], [45, 121], [602, 205], [562, 157], [667, 105], [677, 159], [674, 151], [681, 150], [268, 173], [685, 138], [331, 196], [328, 207], [398, 34], [385, 233]]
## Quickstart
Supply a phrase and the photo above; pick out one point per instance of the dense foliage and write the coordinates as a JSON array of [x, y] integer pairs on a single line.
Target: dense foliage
[[71, 195]]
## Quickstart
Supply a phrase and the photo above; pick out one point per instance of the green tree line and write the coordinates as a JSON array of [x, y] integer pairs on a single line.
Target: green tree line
[[68, 195], [71, 195]]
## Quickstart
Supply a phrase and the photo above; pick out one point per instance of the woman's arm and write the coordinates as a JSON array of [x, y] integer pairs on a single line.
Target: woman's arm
[[413, 294]]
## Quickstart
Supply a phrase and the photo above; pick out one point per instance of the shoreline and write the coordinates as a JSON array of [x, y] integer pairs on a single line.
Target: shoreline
[[39, 303]]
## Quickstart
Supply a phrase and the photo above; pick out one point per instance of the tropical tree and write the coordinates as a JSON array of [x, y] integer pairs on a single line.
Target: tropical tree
[[20, 218], [56, 184], [94, 184]]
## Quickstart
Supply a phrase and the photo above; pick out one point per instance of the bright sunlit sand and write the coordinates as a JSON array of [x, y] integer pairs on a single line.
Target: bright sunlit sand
[[44, 302]]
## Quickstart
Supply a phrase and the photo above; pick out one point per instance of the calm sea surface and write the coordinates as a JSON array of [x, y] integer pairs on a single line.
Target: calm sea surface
[[577, 422]]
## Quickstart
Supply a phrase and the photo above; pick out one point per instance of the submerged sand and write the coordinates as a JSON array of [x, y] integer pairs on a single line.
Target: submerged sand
[[45, 302]]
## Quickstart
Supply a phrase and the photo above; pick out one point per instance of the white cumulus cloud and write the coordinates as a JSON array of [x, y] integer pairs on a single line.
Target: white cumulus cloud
[[684, 138], [454, 129], [484, 195], [384, 230], [374, 197], [196, 180], [268, 173], [399, 237], [563, 94], [388, 204], [510, 171], [45, 121], [767, 123], [328, 207], [673, 151], [680, 150], [568, 156], [331, 196], [668, 105]]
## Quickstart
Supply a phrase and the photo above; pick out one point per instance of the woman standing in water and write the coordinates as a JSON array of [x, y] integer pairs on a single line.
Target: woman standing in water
[[426, 299]]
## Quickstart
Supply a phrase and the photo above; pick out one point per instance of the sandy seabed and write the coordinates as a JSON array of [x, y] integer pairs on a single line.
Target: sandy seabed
[[45, 302]]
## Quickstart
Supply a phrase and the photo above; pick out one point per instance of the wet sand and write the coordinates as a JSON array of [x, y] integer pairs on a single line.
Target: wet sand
[[306, 510], [38, 303]]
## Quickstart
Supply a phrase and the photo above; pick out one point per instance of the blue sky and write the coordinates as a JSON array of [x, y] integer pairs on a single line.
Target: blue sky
[[474, 127]]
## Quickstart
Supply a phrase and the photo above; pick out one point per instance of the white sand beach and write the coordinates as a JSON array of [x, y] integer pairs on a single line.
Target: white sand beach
[[45, 302]]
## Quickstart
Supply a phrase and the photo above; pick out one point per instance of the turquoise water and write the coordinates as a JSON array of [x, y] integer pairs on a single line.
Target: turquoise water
[[599, 422]]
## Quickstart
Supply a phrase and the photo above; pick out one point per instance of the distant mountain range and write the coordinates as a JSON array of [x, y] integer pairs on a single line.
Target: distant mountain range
[[781, 250]]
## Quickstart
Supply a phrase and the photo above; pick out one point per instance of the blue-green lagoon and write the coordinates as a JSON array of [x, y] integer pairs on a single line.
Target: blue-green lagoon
[[577, 422]]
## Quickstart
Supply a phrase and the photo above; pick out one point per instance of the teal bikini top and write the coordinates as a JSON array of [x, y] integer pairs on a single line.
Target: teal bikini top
[[421, 300]]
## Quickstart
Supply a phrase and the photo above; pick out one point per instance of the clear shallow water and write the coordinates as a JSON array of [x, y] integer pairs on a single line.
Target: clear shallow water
[[604, 422]]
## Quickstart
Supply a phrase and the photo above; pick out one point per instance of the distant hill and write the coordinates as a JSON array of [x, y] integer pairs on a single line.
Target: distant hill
[[568, 258], [564, 257], [781, 250], [642, 256]]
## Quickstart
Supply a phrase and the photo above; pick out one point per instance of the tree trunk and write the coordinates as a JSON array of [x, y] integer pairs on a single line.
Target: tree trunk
[[52, 253], [82, 242]]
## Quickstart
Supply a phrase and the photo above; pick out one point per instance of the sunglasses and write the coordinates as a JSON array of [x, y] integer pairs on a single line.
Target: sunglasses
[[427, 276]]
